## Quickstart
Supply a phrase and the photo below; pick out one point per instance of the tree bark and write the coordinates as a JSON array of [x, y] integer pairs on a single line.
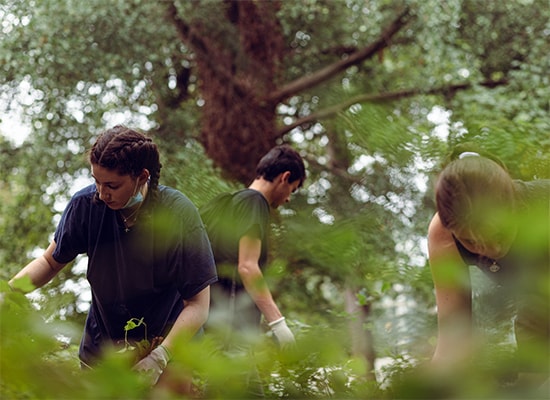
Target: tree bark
[[239, 82], [362, 345]]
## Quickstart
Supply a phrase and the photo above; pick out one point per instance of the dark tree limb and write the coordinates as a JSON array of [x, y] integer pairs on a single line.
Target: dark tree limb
[[365, 98], [334, 69]]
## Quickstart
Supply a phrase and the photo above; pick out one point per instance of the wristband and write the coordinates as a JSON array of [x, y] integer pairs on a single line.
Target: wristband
[[272, 323], [168, 354]]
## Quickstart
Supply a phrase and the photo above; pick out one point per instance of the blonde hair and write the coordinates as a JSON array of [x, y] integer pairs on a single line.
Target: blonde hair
[[467, 186]]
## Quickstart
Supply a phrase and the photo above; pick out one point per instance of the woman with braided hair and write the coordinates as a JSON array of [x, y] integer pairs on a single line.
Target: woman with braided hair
[[149, 258], [500, 225]]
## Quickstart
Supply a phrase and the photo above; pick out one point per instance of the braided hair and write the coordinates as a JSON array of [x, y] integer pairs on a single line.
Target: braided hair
[[127, 152]]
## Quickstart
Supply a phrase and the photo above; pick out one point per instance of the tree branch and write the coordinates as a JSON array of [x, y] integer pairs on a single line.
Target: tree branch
[[187, 35], [181, 27], [331, 70], [185, 32], [330, 111]]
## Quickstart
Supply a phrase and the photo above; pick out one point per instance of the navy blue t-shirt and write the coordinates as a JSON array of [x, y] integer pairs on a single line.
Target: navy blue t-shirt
[[145, 272]]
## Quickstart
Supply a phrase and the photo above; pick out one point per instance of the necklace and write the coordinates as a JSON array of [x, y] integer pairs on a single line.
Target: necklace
[[494, 267], [130, 219]]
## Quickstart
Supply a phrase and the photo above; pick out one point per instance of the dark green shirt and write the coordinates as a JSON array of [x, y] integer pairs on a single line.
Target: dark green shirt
[[246, 214]]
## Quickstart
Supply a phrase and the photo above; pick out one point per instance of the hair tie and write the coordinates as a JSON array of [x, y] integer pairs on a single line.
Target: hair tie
[[468, 154]]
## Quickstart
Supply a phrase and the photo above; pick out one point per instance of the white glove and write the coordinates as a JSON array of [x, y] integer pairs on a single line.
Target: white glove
[[282, 333], [154, 364]]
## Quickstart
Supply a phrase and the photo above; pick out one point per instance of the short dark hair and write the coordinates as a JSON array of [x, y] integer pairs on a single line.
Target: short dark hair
[[281, 159]]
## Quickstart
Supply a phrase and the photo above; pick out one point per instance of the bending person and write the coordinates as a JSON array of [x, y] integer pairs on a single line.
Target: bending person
[[486, 219], [149, 258], [238, 227]]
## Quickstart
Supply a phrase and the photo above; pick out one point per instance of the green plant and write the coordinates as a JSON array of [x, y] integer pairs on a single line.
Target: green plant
[[140, 348]]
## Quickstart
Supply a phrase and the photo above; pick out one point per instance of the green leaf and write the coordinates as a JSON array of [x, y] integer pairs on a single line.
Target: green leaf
[[23, 284], [131, 324]]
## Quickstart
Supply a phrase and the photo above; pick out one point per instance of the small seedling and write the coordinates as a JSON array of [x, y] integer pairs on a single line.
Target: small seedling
[[143, 347]]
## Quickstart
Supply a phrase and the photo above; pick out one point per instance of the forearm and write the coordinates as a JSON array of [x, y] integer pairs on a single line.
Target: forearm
[[253, 279], [190, 320], [257, 288], [455, 339], [39, 271], [453, 295], [42, 269]]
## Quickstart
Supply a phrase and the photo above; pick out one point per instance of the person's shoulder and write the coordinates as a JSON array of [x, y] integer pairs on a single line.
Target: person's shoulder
[[85, 193], [247, 192], [167, 192], [442, 248], [438, 235], [250, 204], [532, 191], [535, 183], [169, 196], [249, 195], [84, 201]]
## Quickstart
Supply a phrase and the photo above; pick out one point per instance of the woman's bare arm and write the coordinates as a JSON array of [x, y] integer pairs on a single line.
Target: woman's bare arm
[[191, 318], [42, 269], [453, 295]]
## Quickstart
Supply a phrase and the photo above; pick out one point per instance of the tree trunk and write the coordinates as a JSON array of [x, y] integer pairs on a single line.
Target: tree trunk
[[362, 345], [239, 61]]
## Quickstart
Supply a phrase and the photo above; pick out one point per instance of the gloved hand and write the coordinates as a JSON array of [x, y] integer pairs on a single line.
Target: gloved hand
[[153, 365], [282, 333]]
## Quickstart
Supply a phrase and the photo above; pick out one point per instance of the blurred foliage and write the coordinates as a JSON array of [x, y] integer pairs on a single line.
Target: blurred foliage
[[73, 68], [38, 361]]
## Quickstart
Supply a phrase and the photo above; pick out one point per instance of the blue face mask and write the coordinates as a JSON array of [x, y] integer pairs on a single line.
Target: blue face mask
[[134, 200]]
